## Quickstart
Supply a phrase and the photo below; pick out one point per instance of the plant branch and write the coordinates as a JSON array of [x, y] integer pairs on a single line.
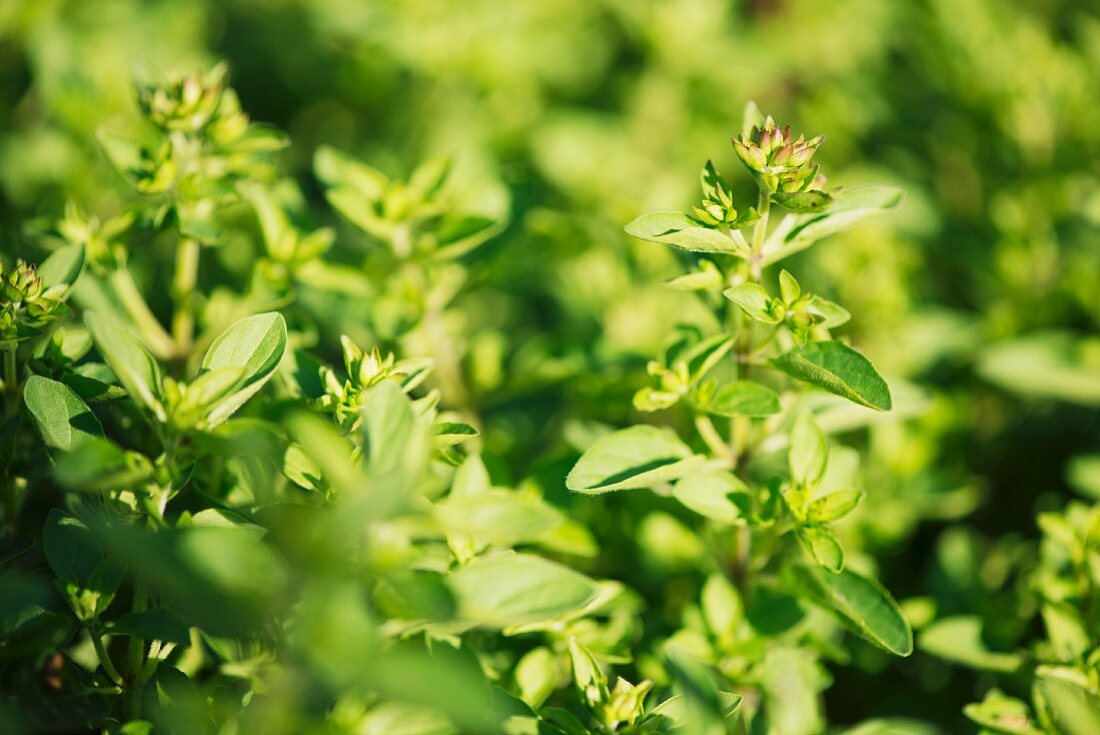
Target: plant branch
[[183, 295]]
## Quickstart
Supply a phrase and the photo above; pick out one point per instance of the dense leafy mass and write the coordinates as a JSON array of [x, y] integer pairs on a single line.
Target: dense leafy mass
[[337, 400]]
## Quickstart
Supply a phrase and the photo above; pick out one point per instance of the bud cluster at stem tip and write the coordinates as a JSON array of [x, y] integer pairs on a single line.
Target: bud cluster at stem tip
[[780, 163]]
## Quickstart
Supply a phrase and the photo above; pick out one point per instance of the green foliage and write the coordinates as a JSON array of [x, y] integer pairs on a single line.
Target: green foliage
[[288, 420]]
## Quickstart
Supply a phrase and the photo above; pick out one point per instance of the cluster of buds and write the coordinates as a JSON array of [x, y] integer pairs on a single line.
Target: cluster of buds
[[344, 398], [717, 207], [204, 143], [25, 304], [782, 164], [622, 705], [188, 103], [668, 386]]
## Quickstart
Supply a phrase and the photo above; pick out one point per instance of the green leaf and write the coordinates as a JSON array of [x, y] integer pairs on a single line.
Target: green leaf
[[754, 301], [499, 517], [641, 456], [803, 201], [809, 451], [838, 369], [100, 465], [255, 345], [128, 359], [675, 229], [998, 713], [396, 441], [71, 549], [62, 267], [62, 419], [1071, 703], [849, 209], [157, 624], [859, 603], [1051, 365], [510, 589], [699, 708], [822, 545], [834, 506], [741, 398], [709, 495], [959, 639]]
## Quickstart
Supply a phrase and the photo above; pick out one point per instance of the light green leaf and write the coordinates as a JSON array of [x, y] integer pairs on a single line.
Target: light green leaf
[[708, 494], [741, 398], [1052, 365], [848, 209], [128, 359], [1001, 714], [803, 201], [510, 589], [498, 517], [809, 451], [959, 639], [62, 419], [859, 603], [674, 228], [62, 267], [100, 465], [641, 456], [838, 369], [822, 545], [753, 300], [834, 506], [254, 344], [1071, 703]]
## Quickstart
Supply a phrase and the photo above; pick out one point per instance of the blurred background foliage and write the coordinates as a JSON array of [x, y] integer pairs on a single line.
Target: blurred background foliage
[[979, 299]]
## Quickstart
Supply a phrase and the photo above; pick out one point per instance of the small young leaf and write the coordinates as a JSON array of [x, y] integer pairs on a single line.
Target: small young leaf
[[822, 545], [833, 506], [859, 603], [63, 420], [641, 456], [673, 228], [254, 344], [838, 369], [128, 359], [809, 452], [803, 201], [754, 301]]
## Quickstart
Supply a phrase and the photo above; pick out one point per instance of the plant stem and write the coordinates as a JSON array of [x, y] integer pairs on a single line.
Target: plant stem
[[11, 384], [135, 659], [183, 288], [105, 659], [713, 439], [149, 328]]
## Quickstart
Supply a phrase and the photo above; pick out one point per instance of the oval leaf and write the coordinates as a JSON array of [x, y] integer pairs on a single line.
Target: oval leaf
[[255, 345], [839, 369], [675, 229], [64, 421], [128, 359], [641, 456], [861, 604], [509, 589]]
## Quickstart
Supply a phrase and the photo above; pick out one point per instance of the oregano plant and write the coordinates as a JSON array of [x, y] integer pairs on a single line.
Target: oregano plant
[[769, 485]]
